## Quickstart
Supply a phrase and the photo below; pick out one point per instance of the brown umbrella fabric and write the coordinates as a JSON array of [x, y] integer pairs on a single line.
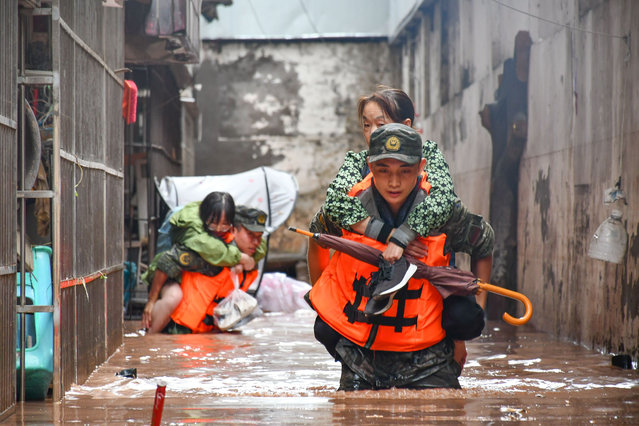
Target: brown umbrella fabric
[[447, 280]]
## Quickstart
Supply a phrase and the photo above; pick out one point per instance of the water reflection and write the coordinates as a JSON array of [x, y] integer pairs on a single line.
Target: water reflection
[[274, 372]]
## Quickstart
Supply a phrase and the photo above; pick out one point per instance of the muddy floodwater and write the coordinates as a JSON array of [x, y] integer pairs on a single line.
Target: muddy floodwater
[[273, 371]]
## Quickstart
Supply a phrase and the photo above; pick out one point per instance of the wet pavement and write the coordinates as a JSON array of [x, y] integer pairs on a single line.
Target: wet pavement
[[273, 371]]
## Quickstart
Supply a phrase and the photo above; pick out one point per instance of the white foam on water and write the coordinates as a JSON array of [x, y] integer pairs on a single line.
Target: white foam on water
[[525, 362], [627, 384], [510, 384], [487, 358], [541, 370]]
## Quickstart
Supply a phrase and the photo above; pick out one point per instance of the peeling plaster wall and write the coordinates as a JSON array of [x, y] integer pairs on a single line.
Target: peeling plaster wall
[[583, 133], [287, 105]]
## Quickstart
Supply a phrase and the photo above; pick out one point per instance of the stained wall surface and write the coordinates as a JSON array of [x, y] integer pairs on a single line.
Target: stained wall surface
[[583, 134], [589, 81], [287, 105], [291, 105]]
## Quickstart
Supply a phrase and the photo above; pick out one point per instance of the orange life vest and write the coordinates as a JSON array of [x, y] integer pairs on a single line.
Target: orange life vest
[[414, 320], [202, 293]]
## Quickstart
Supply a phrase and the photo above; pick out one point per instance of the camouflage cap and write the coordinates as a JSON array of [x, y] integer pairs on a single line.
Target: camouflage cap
[[396, 141], [252, 219]]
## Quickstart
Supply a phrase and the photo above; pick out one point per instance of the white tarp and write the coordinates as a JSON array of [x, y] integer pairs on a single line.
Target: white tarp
[[264, 188]]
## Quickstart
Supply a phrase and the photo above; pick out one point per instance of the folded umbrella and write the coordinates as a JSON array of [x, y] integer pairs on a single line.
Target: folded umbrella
[[447, 280]]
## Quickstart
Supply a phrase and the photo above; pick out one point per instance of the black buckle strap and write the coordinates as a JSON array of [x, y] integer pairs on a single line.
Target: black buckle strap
[[362, 289]]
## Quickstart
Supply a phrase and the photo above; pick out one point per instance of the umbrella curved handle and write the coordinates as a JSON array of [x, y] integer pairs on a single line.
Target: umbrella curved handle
[[513, 295]]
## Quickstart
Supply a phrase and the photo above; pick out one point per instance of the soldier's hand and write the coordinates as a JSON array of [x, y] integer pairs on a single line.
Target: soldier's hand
[[147, 314], [392, 252], [460, 354]]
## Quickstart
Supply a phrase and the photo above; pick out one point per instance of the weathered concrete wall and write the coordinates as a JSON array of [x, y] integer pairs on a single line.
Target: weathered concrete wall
[[291, 105], [287, 105], [583, 134], [583, 104]]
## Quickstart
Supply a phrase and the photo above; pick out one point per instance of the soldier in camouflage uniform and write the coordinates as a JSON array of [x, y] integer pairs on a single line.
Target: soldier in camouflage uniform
[[440, 208], [440, 212], [200, 233]]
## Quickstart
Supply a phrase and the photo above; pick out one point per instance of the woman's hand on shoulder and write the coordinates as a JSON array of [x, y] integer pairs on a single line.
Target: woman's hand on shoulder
[[416, 249], [247, 262]]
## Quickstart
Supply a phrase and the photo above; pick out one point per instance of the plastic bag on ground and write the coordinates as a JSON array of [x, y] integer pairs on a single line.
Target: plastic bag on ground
[[281, 293], [236, 306]]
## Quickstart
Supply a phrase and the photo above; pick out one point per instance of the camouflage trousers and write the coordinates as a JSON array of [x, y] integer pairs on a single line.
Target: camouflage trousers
[[177, 259]]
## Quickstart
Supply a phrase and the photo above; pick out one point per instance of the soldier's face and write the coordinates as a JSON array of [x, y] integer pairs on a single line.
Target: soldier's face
[[395, 180], [247, 241]]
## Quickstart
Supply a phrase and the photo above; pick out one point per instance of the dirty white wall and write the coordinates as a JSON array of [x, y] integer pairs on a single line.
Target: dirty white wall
[[583, 103], [583, 134], [287, 105]]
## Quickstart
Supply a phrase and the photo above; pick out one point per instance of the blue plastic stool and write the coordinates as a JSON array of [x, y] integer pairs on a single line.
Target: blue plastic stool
[[38, 358]]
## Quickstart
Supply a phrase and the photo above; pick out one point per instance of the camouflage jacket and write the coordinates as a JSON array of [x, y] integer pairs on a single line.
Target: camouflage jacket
[[465, 232], [187, 229]]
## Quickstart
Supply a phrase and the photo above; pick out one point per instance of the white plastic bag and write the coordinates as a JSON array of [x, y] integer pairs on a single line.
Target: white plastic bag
[[257, 312], [281, 293], [236, 306]]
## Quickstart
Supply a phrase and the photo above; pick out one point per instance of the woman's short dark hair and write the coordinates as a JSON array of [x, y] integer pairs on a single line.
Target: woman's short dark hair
[[215, 205], [394, 102]]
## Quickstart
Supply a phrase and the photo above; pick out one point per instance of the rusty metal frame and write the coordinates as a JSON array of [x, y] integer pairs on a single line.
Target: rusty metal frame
[[8, 211], [55, 201], [103, 174], [27, 78]]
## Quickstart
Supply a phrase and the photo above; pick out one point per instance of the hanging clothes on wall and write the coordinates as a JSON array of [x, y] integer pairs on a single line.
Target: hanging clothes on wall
[[129, 101]]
